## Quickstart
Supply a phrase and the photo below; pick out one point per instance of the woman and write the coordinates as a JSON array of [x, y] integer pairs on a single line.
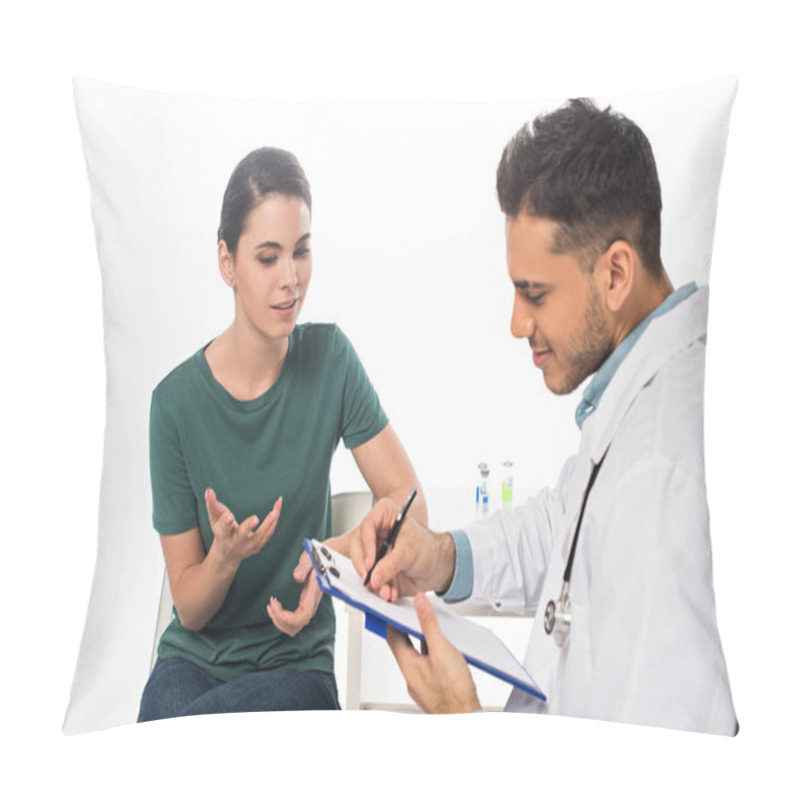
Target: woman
[[241, 440]]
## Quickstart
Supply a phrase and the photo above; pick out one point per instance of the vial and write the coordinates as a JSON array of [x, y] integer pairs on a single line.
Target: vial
[[508, 484], [482, 491]]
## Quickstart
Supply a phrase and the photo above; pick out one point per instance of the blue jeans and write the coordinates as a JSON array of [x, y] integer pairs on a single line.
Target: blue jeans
[[178, 688]]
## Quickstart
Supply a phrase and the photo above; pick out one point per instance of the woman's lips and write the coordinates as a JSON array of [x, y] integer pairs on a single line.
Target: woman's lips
[[286, 309]]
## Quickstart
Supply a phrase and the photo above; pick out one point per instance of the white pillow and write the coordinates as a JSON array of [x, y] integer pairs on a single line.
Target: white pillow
[[409, 259]]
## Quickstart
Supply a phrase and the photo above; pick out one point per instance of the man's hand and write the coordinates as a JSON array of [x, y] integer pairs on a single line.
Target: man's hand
[[419, 561], [438, 679], [292, 622]]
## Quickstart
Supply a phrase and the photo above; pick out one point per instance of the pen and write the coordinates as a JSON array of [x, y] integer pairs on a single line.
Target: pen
[[389, 541]]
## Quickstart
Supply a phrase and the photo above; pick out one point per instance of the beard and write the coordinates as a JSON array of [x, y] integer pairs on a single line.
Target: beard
[[588, 347]]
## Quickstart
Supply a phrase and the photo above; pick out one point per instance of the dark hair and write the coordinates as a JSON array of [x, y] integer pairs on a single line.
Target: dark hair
[[259, 174], [591, 171]]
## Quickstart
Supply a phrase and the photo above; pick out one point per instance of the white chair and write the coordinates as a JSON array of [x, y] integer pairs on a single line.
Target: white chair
[[164, 616], [347, 510]]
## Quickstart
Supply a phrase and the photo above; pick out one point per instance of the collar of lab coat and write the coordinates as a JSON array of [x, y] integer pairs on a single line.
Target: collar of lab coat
[[597, 386], [665, 337]]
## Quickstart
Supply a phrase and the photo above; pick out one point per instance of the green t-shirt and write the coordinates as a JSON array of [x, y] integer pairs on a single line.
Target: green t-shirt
[[251, 452]]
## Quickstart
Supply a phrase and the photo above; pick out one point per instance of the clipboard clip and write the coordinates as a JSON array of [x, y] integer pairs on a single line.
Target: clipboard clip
[[318, 554]]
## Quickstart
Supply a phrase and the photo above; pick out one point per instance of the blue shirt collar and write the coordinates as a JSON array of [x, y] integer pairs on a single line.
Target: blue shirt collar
[[594, 391]]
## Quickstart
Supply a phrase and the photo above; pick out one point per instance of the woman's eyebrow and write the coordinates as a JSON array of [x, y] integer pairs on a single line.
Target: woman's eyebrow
[[279, 246]]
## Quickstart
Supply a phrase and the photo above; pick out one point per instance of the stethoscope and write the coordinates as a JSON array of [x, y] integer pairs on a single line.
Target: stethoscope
[[558, 615]]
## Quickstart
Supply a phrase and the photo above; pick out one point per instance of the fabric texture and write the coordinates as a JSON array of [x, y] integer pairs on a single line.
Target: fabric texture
[[252, 452], [179, 688], [643, 645], [460, 587]]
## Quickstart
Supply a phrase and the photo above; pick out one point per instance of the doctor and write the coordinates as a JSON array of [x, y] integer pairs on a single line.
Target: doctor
[[626, 629]]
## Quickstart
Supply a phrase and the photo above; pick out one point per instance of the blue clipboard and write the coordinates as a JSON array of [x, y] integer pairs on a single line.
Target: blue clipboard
[[337, 577]]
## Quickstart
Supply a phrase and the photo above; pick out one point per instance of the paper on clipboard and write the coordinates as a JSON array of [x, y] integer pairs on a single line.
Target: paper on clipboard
[[337, 576]]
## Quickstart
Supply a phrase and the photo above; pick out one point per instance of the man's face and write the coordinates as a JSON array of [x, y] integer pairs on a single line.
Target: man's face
[[557, 306]]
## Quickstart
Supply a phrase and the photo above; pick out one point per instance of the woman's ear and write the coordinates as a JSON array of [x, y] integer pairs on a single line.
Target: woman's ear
[[618, 265], [226, 266]]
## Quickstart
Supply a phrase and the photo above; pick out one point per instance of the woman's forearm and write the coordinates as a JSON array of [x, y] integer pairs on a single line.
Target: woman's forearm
[[200, 580], [388, 472], [201, 589], [419, 508]]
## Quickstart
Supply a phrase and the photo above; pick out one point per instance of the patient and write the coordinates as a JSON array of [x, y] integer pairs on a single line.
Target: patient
[[241, 439]]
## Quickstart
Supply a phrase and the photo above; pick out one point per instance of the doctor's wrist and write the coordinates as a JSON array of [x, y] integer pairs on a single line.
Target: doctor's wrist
[[445, 555]]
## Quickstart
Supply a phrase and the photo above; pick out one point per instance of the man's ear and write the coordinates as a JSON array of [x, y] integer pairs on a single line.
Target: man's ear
[[225, 260], [615, 271]]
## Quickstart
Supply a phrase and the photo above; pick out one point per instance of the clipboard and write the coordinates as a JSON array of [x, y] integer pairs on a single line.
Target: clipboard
[[337, 577]]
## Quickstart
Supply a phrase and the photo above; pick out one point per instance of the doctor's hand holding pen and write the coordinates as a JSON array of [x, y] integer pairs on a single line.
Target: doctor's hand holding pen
[[419, 560], [291, 622], [438, 678]]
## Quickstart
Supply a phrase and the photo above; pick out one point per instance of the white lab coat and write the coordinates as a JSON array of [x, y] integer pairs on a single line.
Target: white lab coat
[[643, 645]]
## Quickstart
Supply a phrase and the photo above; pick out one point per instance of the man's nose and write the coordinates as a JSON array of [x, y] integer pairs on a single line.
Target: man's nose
[[522, 322]]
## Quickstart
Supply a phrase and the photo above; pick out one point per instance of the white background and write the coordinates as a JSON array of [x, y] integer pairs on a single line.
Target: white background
[[54, 388]]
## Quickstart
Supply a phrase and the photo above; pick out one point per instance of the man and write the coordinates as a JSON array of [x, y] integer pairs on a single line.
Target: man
[[631, 634]]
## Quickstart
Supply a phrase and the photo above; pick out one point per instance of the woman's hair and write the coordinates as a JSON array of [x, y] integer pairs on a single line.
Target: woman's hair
[[259, 174]]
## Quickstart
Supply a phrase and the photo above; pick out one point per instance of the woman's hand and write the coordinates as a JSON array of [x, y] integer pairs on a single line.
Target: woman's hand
[[292, 622], [235, 541]]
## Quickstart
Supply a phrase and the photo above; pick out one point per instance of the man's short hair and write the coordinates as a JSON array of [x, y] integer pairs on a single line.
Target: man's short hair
[[593, 172]]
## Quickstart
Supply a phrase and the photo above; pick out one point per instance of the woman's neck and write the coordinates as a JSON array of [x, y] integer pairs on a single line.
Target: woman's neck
[[245, 362]]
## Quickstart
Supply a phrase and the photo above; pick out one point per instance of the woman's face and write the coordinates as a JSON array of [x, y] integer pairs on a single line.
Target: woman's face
[[271, 269]]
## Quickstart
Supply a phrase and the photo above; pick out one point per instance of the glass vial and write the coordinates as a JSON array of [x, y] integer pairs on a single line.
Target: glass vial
[[508, 484], [482, 491]]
